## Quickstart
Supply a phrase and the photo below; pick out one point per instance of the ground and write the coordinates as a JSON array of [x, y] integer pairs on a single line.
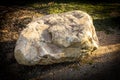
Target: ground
[[102, 64]]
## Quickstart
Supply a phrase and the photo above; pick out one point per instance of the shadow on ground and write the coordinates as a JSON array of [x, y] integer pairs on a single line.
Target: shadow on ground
[[107, 24], [100, 70]]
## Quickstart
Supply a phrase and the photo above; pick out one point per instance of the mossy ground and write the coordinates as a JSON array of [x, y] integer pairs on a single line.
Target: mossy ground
[[105, 15]]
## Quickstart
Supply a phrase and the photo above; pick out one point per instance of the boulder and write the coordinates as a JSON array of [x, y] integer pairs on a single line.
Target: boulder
[[56, 38]]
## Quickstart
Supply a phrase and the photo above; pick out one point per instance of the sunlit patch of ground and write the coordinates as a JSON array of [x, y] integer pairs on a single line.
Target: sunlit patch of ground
[[109, 46]]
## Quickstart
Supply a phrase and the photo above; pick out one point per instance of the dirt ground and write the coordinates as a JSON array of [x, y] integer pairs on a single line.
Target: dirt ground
[[102, 64]]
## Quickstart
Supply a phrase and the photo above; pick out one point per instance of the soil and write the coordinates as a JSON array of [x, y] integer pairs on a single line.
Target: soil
[[102, 64]]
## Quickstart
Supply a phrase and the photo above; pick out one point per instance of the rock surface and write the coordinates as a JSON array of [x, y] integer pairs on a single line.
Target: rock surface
[[56, 38]]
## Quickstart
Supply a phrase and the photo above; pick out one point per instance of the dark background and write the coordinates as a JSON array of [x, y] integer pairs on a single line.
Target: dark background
[[24, 2]]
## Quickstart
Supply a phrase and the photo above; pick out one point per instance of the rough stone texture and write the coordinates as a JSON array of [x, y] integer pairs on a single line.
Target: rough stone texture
[[56, 38]]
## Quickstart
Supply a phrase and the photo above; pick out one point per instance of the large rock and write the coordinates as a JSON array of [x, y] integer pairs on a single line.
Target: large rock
[[56, 38]]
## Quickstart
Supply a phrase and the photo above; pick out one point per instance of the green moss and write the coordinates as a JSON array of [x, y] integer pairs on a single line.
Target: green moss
[[97, 10], [103, 13]]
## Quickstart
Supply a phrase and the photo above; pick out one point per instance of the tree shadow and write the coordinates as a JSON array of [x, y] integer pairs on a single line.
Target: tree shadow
[[107, 24], [104, 69], [10, 69], [7, 59]]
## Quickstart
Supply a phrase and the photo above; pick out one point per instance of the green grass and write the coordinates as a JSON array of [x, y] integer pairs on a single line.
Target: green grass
[[102, 10], [104, 14]]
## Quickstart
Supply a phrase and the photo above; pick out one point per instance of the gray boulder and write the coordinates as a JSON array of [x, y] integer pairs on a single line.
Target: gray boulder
[[56, 38]]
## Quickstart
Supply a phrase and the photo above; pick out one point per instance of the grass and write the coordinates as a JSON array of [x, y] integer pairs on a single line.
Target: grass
[[102, 10], [104, 15]]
